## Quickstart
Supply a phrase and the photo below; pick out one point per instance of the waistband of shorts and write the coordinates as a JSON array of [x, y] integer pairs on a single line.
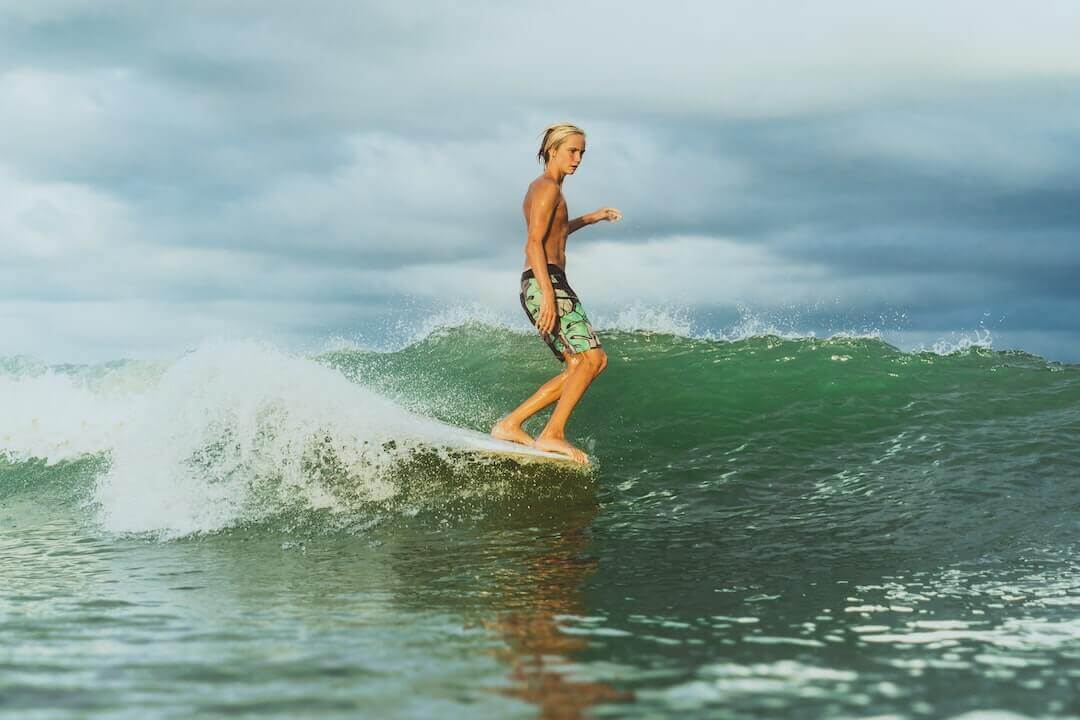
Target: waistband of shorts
[[552, 270]]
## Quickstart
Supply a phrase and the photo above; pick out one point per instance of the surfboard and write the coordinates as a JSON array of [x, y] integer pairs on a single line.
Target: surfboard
[[486, 445]]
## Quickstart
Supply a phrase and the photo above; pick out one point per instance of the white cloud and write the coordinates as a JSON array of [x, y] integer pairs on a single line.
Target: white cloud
[[1017, 150], [395, 196], [731, 58], [98, 124], [676, 271], [56, 224]]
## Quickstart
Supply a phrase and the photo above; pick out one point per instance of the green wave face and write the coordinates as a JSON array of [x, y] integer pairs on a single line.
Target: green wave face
[[663, 396], [797, 435]]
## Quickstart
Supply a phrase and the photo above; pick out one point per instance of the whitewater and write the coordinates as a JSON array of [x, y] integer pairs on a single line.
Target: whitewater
[[775, 524]]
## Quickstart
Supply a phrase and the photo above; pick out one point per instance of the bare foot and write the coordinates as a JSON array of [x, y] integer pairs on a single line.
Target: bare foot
[[561, 446], [505, 430]]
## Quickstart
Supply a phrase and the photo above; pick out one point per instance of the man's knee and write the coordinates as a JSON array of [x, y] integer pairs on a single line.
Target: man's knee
[[597, 360]]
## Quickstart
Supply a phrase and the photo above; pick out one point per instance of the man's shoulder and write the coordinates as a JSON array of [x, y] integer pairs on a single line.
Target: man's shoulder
[[544, 187]]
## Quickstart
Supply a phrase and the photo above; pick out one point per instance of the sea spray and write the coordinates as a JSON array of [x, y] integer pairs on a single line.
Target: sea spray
[[235, 432], [59, 414]]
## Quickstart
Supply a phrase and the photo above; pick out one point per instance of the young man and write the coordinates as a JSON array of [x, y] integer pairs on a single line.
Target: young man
[[550, 302]]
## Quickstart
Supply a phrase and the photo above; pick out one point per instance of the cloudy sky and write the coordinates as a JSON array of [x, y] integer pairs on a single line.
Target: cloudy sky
[[303, 172]]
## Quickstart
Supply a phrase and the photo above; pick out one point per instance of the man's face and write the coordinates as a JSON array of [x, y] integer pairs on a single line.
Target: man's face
[[569, 154]]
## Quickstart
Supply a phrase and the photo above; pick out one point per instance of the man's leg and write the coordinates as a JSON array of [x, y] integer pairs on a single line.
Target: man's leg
[[553, 436], [509, 428]]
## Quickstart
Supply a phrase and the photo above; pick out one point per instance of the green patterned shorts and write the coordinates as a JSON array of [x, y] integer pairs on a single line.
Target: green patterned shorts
[[572, 330]]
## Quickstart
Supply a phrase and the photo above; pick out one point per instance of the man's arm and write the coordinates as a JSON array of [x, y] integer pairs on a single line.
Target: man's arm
[[579, 222], [609, 214], [541, 215]]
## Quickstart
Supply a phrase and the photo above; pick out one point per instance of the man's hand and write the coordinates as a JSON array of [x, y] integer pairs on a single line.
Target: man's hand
[[545, 320], [608, 213]]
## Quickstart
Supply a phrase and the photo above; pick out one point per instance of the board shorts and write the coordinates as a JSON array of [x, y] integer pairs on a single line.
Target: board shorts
[[572, 331]]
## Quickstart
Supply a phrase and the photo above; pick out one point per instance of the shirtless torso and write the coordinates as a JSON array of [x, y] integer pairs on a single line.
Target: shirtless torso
[[559, 228]]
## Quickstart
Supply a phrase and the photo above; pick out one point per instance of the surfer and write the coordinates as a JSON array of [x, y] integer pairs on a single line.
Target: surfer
[[549, 301]]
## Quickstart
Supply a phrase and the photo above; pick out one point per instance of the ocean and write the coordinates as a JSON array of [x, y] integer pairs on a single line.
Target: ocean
[[783, 527]]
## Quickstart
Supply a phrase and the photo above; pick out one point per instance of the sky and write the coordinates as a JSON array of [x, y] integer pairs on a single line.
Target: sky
[[319, 172]]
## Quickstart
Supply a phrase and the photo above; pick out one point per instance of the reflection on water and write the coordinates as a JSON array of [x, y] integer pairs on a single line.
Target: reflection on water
[[519, 574], [538, 650]]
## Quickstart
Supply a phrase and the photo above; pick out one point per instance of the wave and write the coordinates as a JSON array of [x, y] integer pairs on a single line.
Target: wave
[[235, 433]]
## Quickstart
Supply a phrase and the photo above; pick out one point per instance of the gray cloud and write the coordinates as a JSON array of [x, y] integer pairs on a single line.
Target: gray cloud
[[329, 161]]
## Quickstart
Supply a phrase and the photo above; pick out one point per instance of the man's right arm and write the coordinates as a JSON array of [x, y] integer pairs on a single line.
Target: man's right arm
[[541, 215]]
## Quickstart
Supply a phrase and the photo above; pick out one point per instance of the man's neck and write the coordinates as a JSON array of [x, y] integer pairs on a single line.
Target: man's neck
[[555, 174]]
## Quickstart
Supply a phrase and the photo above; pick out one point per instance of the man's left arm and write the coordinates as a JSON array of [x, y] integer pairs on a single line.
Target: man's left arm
[[609, 214]]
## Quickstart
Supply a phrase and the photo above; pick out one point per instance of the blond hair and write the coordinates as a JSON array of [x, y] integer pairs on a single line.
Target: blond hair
[[555, 136]]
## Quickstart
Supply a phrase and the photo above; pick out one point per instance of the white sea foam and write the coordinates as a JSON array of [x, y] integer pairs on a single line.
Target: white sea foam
[[672, 319], [651, 318], [454, 316], [229, 432], [962, 342], [230, 424], [787, 325], [58, 415]]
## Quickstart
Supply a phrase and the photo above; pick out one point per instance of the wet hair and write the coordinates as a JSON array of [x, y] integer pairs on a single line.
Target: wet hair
[[555, 136]]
